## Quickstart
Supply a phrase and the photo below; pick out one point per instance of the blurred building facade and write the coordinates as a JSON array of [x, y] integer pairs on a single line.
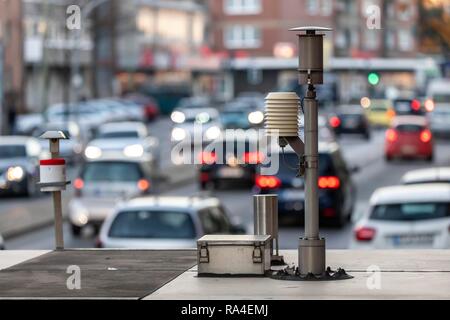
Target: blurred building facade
[[139, 41], [262, 53], [11, 63], [50, 48]]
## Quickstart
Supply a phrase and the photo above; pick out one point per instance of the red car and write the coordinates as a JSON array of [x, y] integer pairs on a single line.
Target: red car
[[409, 137]]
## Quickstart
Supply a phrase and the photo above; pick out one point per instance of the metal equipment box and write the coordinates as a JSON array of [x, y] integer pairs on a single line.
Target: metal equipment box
[[233, 255]]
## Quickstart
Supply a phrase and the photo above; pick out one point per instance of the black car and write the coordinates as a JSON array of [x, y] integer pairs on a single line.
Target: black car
[[336, 188], [407, 107], [231, 159], [19, 165], [349, 120]]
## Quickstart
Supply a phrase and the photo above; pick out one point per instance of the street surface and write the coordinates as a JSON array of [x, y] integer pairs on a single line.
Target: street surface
[[374, 173]]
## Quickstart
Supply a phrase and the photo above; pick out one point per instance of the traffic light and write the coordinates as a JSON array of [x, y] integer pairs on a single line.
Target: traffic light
[[373, 78]]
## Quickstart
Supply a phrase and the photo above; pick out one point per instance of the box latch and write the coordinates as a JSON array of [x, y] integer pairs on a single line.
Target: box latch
[[257, 254], [203, 254]]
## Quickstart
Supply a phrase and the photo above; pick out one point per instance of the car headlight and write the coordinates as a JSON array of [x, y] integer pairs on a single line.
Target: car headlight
[[212, 133], [256, 117], [178, 134], [92, 152], [15, 174], [178, 117], [202, 118], [134, 151]]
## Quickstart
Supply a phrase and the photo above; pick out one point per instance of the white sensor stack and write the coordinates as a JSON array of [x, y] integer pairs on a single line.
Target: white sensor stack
[[282, 114]]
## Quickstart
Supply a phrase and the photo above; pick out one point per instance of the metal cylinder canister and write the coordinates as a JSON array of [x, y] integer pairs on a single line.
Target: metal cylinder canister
[[311, 58]]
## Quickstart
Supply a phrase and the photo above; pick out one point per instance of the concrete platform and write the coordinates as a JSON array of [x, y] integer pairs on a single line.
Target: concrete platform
[[156, 275]]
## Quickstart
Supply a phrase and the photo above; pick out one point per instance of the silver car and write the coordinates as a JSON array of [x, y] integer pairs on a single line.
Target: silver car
[[19, 165], [164, 223], [440, 120], [124, 139], [101, 184]]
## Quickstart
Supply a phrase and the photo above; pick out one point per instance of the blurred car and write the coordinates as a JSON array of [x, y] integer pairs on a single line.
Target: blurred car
[[124, 139], [429, 175], [238, 115], [149, 105], [19, 165], [337, 192], [439, 120], [101, 184], [233, 158], [255, 100], [380, 112], [2, 243], [407, 106], [205, 120], [70, 149], [404, 217], [193, 103], [350, 120], [409, 137], [26, 124], [164, 223], [438, 91]]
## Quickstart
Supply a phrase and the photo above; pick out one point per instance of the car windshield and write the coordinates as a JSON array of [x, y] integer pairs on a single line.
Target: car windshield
[[235, 120], [153, 225], [379, 106], [411, 211], [12, 151], [112, 172], [409, 128], [118, 134]]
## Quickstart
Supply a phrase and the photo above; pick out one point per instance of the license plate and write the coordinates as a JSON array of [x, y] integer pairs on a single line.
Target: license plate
[[409, 150], [293, 195], [231, 173], [411, 240]]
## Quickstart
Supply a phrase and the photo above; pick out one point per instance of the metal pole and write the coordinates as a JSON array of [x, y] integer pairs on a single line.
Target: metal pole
[[57, 203], [312, 163]]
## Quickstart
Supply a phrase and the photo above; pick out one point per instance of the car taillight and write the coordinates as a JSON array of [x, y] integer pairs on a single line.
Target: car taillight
[[143, 185], [391, 113], [78, 184], [253, 157], [208, 157], [329, 183], [391, 135], [415, 105], [335, 122], [268, 182], [425, 136], [365, 234]]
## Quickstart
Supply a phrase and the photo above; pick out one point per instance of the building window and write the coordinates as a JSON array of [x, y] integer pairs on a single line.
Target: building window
[[327, 7], [371, 40], [236, 7], [405, 40], [242, 37], [312, 7]]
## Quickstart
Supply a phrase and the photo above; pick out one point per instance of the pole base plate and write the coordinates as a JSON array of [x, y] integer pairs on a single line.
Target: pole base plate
[[292, 274]]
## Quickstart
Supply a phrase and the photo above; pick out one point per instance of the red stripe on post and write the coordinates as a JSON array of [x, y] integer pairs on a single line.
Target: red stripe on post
[[53, 162]]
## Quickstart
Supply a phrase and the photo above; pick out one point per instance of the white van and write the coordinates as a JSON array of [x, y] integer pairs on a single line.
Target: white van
[[439, 91]]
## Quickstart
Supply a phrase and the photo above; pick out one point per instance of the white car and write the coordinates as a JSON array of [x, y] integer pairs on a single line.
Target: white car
[[406, 217], [124, 139], [429, 175], [164, 223], [101, 184], [195, 124]]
